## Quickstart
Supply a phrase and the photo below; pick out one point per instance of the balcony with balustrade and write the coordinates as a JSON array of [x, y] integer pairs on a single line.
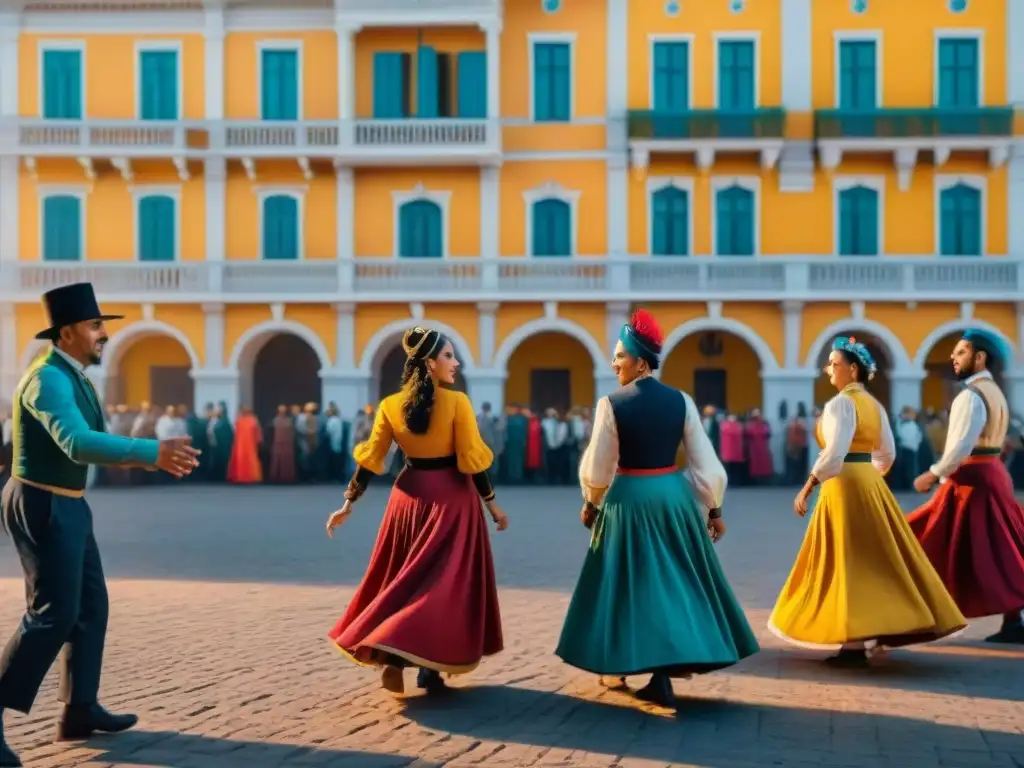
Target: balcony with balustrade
[[707, 133], [510, 279]]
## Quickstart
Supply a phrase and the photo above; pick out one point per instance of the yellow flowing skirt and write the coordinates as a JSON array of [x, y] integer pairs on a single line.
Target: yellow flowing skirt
[[861, 574]]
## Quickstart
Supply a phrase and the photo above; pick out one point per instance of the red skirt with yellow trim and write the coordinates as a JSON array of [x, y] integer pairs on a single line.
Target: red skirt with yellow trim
[[972, 530], [429, 597]]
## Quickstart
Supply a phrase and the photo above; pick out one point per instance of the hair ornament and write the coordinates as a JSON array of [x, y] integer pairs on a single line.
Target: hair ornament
[[851, 346], [420, 343]]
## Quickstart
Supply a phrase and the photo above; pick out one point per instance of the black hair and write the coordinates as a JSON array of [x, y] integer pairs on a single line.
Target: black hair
[[993, 363], [851, 359], [420, 345]]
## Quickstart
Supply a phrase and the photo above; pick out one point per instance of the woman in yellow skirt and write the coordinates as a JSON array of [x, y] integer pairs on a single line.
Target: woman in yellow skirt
[[861, 579]]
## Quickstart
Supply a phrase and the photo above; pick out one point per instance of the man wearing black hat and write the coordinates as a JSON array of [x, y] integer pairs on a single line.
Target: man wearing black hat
[[58, 433]]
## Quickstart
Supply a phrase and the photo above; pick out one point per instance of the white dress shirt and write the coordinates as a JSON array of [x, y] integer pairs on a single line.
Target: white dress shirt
[[967, 418]]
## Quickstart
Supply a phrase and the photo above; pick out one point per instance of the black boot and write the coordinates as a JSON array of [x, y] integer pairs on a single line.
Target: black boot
[[430, 680], [658, 691], [1011, 633], [7, 757], [853, 658], [79, 722]]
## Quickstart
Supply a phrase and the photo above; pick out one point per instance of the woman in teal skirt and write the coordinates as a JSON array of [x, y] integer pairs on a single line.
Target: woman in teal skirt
[[652, 597]]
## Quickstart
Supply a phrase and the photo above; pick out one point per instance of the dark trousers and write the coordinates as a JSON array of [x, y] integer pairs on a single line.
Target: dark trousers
[[65, 594], [907, 460]]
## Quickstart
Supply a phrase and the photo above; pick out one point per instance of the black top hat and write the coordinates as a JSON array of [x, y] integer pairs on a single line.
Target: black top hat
[[70, 304]]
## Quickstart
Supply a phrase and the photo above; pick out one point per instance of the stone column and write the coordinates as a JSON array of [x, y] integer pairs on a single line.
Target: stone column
[[616, 314], [216, 221], [214, 382], [346, 33], [1015, 181], [345, 214], [784, 385], [487, 386], [10, 242], [796, 165], [906, 390], [793, 320], [492, 31], [215, 167], [486, 334], [617, 139], [344, 384], [9, 364]]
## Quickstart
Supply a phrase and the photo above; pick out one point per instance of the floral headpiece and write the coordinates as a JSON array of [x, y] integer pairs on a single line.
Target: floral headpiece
[[642, 337], [851, 346]]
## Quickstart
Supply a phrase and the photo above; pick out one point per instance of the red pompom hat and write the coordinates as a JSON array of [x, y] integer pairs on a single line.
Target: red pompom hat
[[642, 337]]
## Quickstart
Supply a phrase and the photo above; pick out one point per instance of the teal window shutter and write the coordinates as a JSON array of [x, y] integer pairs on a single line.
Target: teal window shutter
[[859, 233], [960, 221], [472, 76], [736, 75], [426, 82], [551, 222], [734, 222], [671, 224], [157, 232], [420, 230], [281, 228], [390, 85], [857, 75], [672, 77], [552, 82], [62, 85], [958, 73], [159, 85], [279, 99], [62, 228]]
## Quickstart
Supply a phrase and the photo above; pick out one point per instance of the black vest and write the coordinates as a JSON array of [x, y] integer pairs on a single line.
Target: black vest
[[649, 418]]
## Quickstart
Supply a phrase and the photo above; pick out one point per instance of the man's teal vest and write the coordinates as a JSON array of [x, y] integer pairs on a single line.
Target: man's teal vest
[[37, 457]]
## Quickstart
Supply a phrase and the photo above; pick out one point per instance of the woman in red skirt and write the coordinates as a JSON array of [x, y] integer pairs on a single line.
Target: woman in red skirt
[[428, 598], [972, 529]]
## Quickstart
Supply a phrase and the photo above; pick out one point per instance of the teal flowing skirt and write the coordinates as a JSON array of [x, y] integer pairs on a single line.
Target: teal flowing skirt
[[652, 596]]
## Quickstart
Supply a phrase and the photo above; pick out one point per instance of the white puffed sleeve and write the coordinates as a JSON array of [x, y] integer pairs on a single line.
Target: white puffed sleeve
[[967, 418], [704, 471], [838, 423], [884, 455], [601, 459]]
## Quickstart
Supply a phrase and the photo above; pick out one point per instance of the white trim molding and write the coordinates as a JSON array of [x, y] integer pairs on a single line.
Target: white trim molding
[[723, 325], [385, 339], [893, 347], [550, 325], [254, 338], [173, 191], [79, 191], [285, 44], [751, 184], [654, 39], [441, 198], [122, 340], [842, 183], [736, 36], [50, 44], [297, 193], [683, 184], [160, 46], [535, 38], [944, 181], [957, 326], [841, 36], [553, 191], [940, 34]]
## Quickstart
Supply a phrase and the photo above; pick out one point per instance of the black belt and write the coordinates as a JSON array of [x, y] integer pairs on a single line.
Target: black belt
[[438, 462], [986, 452], [857, 458]]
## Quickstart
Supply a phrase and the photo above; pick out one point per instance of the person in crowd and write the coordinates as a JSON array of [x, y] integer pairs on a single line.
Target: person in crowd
[[282, 451], [517, 427], [861, 580], [712, 428], [534, 448], [909, 437], [972, 528], [733, 451], [334, 444], [220, 437], [652, 597], [757, 435], [796, 447], [429, 597], [244, 466], [488, 426], [556, 435], [144, 428]]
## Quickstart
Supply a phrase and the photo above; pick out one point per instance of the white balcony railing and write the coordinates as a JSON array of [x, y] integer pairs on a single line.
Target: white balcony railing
[[533, 279]]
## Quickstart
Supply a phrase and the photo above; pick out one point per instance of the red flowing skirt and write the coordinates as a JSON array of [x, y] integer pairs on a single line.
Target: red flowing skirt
[[972, 530], [429, 597]]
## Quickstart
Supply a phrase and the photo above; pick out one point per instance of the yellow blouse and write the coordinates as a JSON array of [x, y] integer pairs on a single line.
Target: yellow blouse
[[453, 431]]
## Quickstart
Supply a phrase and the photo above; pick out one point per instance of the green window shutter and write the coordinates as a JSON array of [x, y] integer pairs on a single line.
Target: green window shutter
[[157, 233], [472, 84], [552, 86], [62, 85], [281, 228], [552, 228], [62, 228], [159, 85], [734, 222], [671, 222], [420, 230], [279, 99]]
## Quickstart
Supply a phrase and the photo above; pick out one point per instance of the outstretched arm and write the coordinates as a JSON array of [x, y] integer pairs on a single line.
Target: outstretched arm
[[49, 396]]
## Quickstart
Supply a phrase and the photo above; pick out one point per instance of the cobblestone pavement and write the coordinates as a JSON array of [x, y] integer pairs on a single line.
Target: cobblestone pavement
[[221, 598]]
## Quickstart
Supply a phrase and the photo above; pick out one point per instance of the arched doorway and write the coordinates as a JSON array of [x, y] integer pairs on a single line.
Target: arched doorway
[[880, 386], [155, 369], [716, 368], [389, 376], [550, 370], [940, 384], [285, 371]]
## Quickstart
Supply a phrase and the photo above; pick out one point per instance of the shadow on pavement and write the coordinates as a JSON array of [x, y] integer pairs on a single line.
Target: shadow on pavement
[[182, 750], [975, 670], [706, 732]]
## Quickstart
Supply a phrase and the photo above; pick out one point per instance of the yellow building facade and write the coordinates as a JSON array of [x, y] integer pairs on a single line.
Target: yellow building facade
[[270, 198]]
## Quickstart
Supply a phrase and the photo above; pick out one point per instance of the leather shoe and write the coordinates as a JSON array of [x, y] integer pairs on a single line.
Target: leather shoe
[[7, 757], [80, 722]]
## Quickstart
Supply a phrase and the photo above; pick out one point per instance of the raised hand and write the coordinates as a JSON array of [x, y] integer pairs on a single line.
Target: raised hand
[[177, 457]]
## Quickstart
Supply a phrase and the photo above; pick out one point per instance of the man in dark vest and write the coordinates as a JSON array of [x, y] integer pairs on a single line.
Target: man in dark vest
[[58, 433]]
